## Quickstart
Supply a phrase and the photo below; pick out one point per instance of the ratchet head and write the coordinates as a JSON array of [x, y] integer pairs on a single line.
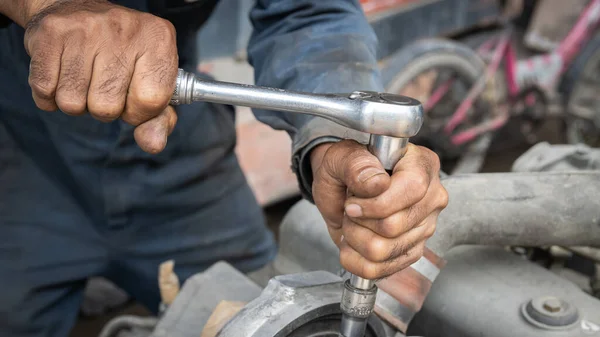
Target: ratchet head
[[388, 114]]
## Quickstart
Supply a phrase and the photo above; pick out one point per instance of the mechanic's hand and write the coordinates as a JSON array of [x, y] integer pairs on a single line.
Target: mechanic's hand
[[107, 60], [380, 223]]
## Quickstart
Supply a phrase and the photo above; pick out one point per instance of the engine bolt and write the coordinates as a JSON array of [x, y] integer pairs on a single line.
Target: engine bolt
[[552, 305]]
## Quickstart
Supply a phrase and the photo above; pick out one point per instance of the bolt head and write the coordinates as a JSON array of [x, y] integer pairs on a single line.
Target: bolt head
[[360, 95], [552, 305]]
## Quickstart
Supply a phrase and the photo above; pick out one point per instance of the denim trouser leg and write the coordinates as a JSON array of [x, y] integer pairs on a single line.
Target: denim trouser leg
[[77, 202]]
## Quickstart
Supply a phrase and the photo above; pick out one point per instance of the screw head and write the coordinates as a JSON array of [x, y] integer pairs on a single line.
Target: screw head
[[552, 305], [550, 312], [360, 95]]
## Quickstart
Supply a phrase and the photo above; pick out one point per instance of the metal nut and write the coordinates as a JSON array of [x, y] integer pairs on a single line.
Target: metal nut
[[552, 305]]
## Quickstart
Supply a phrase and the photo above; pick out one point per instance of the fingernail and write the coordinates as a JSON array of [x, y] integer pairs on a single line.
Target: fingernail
[[354, 210], [369, 173]]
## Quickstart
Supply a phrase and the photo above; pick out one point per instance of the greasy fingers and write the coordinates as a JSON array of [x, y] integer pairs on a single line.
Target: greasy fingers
[[106, 60], [405, 219], [357, 264], [341, 169], [351, 164], [380, 223], [153, 79], [109, 85], [44, 72], [410, 183], [152, 135], [374, 257]]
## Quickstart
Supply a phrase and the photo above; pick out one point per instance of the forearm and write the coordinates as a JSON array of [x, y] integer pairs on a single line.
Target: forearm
[[314, 46], [21, 11]]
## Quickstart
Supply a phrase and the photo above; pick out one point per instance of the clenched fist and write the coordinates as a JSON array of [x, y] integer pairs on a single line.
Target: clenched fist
[[106, 60], [380, 223]]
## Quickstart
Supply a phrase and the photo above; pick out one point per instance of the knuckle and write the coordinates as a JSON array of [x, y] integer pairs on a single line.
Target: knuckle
[[347, 262], [417, 253], [71, 106], [370, 271], [105, 111], [431, 158], [391, 226], [40, 80], [384, 207], [435, 160], [151, 101], [377, 250], [124, 25], [413, 258], [166, 26], [42, 88], [159, 29], [52, 24], [413, 216], [430, 230], [417, 185], [163, 26], [86, 24], [444, 198], [118, 15]]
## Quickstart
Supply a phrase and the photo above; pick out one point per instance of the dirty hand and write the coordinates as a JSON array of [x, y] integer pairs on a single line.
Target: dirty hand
[[106, 60], [380, 223]]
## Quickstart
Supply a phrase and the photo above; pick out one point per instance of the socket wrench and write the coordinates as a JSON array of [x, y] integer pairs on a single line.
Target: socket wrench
[[389, 119]]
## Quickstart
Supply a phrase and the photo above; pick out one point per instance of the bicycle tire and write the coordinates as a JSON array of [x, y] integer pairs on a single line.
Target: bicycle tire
[[431, 53], [420, 55]]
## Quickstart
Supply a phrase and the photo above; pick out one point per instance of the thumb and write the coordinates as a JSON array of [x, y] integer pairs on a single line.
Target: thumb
[[356, 168], [152, 135]]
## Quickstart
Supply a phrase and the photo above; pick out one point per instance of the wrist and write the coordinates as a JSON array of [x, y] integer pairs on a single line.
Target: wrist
[[21, 11], [317, 154]]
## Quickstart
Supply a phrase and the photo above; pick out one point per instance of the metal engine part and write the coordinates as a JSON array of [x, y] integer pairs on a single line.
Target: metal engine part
[[544, 157], [305, 304], [487, 291], [529, 209], [481, 291]]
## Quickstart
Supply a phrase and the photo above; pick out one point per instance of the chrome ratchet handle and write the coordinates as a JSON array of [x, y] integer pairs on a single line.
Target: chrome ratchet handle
[[389, 119]]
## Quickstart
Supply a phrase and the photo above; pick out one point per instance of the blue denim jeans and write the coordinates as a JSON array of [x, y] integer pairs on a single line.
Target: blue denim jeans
[[79, 198]]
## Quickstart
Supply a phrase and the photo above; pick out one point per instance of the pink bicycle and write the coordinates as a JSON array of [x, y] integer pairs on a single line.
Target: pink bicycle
[[467, 99]]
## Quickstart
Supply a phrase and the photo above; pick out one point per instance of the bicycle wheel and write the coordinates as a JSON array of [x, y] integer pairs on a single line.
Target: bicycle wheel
[[421, 68], [581, 85]]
